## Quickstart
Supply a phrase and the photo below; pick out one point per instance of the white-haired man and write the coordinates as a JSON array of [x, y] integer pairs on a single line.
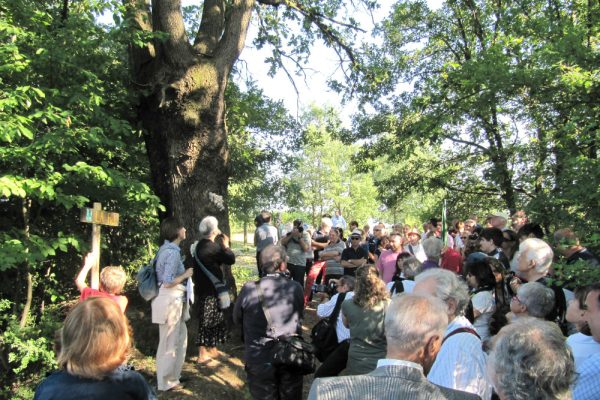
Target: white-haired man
[[534, 260], [461, 362], [530, 360], [532, 300], [414, 328]]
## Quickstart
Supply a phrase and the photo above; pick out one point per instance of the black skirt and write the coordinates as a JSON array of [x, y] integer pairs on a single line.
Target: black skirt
[[212, 325]]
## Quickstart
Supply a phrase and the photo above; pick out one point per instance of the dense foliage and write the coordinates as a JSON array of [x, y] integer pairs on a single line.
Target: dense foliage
[[66, 142], [495, 103], [490, 105]]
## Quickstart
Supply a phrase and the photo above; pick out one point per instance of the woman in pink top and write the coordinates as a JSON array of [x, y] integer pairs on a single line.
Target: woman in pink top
[[386, 263]]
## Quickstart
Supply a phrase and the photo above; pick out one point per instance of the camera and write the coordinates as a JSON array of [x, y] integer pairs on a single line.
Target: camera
[[330, 288], [300, 228]]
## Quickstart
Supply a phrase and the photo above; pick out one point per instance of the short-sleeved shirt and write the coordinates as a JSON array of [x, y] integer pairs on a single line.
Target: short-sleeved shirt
[[265, 235], [367, 336], [169, 264], [89, 292], [296, 255], [351, 254], [484, 303], [119, 385], [387, 264], [333, 267]]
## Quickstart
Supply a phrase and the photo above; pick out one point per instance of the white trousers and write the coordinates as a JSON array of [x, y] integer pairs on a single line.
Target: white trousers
[[168, 311]]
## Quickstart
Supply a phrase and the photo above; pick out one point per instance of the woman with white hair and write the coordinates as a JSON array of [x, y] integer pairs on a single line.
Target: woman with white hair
[[212, 324], [432, 247]]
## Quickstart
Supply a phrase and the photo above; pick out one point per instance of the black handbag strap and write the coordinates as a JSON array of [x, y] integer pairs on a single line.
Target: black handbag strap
[[338, 306], [215, 281], [463, 329], [261, 299]]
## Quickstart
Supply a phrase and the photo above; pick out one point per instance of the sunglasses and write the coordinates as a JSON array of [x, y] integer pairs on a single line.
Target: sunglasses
[[355, 238]]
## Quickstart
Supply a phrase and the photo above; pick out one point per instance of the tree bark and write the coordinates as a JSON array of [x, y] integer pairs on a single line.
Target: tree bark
[[182, 104]]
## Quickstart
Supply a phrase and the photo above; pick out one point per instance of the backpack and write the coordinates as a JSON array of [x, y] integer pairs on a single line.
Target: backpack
[[146, 278], [323, 334]]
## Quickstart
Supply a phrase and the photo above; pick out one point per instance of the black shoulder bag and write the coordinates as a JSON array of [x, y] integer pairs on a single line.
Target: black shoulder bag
[[323, 334], [290, 352], [223, 296]]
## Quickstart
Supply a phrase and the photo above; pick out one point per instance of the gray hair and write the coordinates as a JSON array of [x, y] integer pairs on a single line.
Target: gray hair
[[531, 361], [412, 319], [411, 267], [433, 248], [539, 251], [538, 299], [207, 226], [271, 258], [447, 286]]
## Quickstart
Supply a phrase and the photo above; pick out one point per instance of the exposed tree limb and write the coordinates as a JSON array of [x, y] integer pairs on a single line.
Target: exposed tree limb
[[211, 26], [138, 15], [237, 18], [167, 17]]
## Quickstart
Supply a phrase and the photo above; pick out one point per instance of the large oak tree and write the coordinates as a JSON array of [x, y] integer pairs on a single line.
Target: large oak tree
[[182, 85]]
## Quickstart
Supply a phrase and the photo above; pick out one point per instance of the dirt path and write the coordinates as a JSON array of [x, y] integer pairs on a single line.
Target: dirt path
[[226, 380]]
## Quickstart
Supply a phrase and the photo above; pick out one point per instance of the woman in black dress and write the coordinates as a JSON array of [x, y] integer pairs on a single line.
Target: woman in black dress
[[212, 324]]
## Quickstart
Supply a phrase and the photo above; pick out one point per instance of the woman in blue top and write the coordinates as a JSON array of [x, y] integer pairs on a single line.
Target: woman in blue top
[[93, 345], [169, 308]]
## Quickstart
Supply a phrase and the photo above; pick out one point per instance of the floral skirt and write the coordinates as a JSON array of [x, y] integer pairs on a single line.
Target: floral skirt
[[212, 325]]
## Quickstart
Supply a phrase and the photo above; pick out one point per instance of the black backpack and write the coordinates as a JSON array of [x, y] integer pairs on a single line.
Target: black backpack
[[323, 334]]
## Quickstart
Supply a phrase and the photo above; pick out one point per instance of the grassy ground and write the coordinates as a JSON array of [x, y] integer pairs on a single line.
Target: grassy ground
[[225, 380]]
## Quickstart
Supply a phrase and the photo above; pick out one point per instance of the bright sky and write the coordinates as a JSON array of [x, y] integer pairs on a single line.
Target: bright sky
[[323, 65]]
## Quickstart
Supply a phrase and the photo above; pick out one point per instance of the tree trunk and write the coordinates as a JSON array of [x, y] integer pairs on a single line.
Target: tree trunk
[[186, 140], [182, 104]]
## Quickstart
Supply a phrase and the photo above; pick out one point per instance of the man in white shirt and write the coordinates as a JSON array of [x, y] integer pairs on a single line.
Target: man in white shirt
[[414, 245], [336, 361], [414, 327], [461, 362]]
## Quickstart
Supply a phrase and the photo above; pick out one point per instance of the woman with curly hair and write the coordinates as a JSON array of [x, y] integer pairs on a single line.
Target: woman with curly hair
[[364, 316]]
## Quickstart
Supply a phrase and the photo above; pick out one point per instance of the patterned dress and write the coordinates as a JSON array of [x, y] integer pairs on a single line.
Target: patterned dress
[[212, 323]]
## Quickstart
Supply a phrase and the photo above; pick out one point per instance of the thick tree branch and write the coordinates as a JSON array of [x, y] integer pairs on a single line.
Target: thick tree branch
[[211, 26], [139, 18], [167, 17], [237, 18]]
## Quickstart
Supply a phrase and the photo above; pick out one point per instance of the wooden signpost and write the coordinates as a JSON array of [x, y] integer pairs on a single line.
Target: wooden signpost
[[97, 217]]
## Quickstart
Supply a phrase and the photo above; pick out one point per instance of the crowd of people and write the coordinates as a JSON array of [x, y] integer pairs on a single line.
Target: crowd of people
[[466, 311]]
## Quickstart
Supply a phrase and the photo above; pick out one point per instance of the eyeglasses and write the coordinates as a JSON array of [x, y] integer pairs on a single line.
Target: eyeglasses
[[516, 298], [355, 238], [376, 230]]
